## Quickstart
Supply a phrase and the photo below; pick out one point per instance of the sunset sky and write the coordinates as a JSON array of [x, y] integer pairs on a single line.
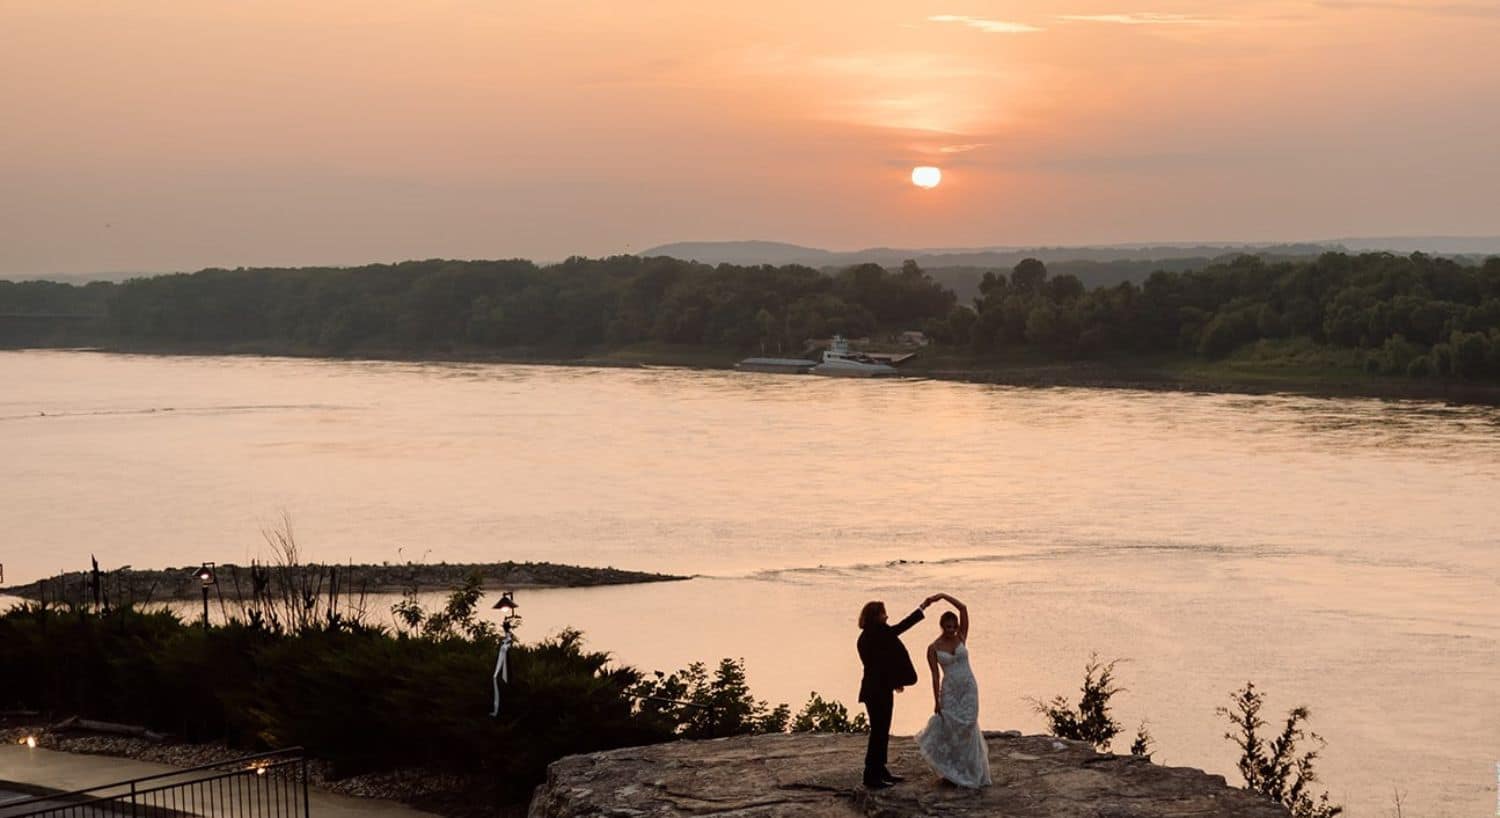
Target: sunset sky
[[153, 135]]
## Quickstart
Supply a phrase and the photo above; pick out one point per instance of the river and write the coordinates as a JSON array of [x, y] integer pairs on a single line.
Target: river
[[1341, 553]]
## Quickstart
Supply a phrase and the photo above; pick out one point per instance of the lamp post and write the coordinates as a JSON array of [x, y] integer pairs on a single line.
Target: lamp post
[[507, 608], [205, 575]]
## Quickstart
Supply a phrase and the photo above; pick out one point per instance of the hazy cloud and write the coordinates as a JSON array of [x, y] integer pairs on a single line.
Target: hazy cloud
[[1440, 9], [987, 26], [1139, 18], [962, 148]]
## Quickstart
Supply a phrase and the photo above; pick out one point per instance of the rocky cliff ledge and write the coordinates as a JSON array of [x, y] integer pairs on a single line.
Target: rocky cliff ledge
[[806, 775]]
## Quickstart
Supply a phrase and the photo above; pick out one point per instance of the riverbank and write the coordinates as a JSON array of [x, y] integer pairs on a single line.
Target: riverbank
[[177, 584], [1222, 377], [1262, 369]]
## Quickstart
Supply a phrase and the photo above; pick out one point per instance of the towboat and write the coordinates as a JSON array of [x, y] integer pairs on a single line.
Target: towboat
[[838, 361]]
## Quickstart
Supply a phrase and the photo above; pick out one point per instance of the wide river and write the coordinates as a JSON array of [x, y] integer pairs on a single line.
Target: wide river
[[1342, 554]]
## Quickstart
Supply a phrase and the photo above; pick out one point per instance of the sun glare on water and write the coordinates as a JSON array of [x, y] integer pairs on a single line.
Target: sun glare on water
[[926, 176]]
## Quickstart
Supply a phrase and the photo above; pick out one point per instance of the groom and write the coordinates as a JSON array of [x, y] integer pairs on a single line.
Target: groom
[[888, 670]]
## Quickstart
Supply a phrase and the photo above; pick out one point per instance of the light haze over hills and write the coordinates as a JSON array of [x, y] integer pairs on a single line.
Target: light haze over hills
[[779, 253], [772, 252]]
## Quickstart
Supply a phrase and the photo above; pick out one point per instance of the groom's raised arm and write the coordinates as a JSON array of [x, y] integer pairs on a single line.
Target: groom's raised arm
[[912, 619]]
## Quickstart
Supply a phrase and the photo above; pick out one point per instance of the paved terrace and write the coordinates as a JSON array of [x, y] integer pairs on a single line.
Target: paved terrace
[[37, 770]]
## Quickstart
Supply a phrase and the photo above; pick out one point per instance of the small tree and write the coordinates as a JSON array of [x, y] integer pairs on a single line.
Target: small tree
[[1141, 746], [720, 705], [1274, 769], [828, 716], [1092, 722], [1028, 275], [457, 619]]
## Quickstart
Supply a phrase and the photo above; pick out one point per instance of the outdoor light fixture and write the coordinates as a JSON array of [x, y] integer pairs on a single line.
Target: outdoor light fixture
[[507, 608], [29, 741], [507, 604], [205, 575]]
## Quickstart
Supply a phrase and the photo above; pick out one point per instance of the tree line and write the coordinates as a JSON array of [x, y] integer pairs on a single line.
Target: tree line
[[437, 305], [1410, 315]]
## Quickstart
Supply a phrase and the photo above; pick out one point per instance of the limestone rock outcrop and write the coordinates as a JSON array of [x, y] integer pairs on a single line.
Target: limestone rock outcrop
[[807, 775]]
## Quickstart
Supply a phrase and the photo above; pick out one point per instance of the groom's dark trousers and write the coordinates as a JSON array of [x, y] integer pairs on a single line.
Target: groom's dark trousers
[[887, 666], [879, 706]]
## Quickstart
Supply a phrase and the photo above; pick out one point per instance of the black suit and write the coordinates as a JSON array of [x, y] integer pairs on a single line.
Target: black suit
[[887, 667]]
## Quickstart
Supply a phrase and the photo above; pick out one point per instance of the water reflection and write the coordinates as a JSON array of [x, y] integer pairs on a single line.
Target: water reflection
[[1342, 552]]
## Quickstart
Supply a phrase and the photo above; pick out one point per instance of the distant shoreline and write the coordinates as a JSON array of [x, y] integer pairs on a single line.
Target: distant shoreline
[[178, 584], [1184, 374], [1217, 381]]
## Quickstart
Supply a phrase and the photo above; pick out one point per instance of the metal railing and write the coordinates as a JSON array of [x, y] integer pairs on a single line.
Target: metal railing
[[266, 785]]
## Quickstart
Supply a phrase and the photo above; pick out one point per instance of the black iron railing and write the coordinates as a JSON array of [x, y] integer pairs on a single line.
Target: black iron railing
[[267, 785]]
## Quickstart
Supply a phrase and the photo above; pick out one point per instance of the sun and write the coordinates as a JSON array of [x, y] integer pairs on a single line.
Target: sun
[[926, 176]]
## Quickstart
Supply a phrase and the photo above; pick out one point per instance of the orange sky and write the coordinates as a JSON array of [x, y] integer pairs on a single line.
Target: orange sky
[[177, 134]]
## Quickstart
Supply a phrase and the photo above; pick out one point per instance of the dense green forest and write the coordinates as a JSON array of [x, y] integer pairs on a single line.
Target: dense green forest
[[1412, 315], [964, 280]]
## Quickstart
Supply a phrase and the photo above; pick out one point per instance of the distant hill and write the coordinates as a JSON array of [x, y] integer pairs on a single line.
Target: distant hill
[[960, 269], [745, 252], [1432, 245], [772, 252], [74, 278], [778, 253]]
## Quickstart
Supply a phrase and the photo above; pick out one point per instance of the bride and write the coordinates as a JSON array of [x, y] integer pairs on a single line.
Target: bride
[[951, 741]]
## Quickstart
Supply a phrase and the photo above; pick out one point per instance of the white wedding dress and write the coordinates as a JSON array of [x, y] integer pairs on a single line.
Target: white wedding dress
[[951, 741]]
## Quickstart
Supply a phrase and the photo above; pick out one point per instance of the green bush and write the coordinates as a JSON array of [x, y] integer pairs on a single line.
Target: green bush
[[1442, 359], [1395, 356], [1274, 768], [1226, 331], [365, 698], [1092, 721], [358, 697], [820, 716], [1471, 354], [692, 704]]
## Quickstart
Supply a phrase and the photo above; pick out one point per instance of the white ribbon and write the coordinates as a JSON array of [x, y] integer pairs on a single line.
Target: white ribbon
[[502, 673]]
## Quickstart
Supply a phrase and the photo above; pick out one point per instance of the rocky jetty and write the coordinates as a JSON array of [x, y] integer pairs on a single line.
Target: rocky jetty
[[129, 585], [807, 775]]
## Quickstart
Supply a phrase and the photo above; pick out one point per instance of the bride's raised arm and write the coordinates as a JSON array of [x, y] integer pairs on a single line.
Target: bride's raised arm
[[963, 617]]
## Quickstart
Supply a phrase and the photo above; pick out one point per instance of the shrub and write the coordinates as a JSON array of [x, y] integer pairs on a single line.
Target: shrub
[[1274, 769], [690, 704], [1471, 352], [820, 716], [1442, 359], [358, 697], [1396, 355], [1226, 331], [1092, 721]]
